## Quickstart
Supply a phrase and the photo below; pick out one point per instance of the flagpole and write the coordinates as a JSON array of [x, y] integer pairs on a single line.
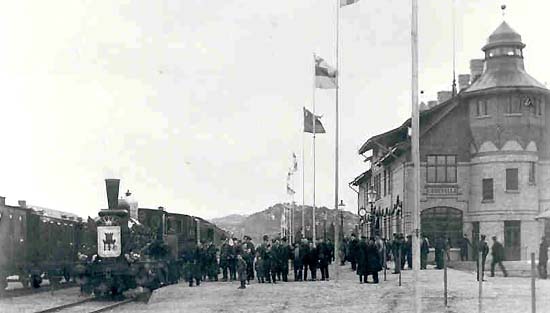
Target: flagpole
[[337, 224], [303, 185], [415, 145], [314, 128]]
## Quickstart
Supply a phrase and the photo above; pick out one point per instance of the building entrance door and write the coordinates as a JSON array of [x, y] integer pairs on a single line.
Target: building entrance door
[[512, 240], [442, 221]]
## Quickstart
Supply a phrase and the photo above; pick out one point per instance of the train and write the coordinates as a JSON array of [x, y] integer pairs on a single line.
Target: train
[[106, 255]]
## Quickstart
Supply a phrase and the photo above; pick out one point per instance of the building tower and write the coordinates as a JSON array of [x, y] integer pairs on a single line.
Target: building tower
[[510, 159]]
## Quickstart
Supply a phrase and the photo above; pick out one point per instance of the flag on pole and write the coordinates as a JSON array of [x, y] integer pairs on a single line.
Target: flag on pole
[[325, 75], [308, 123], [294, 163], [289, 190], [343, 3]]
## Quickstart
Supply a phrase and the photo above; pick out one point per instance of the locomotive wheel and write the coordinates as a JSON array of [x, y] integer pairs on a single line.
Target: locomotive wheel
[[36, 280]]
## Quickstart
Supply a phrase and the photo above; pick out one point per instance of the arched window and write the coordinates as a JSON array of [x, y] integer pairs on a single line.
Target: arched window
[[443, 222]]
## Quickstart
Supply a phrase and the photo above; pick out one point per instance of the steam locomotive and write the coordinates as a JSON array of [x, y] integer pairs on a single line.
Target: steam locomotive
[[107, 255]]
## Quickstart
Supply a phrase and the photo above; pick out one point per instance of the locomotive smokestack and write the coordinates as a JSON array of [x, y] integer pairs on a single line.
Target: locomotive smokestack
[[112, 186]]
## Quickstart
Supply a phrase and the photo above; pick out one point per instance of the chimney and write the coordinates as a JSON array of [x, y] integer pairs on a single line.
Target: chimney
[[112, 186], [2, 201], [22, 203], [476, 69], [423, 106], [463, 81], [443, 96]]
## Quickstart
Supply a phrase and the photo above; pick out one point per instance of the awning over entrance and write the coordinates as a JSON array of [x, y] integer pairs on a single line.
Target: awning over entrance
[[543, 215]]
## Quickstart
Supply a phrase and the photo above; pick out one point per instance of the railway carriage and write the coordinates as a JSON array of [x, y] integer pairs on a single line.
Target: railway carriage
[[36, 245]]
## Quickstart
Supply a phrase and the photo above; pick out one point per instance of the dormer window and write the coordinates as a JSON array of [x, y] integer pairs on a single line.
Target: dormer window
[[503, 51], [513, 105]]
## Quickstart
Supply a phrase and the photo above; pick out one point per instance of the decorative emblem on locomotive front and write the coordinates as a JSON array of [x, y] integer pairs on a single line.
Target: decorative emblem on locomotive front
[[108, 241]]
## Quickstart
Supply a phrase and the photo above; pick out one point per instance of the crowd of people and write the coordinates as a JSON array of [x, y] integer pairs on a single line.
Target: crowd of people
[[268, 262]]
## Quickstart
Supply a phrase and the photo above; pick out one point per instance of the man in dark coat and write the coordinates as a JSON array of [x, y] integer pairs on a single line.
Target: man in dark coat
[[250, 252], [408, 252], [397, 252], [264, 250], [275, 261], [439, 252], [324, 258], [241, 271], [543, 258], [191, 259], [297, 262], [235, 248], [330, 246], [353, 251], [313, 260], [464, 246], [362, 261], [212, 262], [497, 251], [373, 261], [424, 250], [225, 256], [284, 255], [304, 252], [482, 247]]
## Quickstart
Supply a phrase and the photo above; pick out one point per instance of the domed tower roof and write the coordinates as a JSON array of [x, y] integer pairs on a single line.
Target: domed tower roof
[[504, 35], [503, 64]]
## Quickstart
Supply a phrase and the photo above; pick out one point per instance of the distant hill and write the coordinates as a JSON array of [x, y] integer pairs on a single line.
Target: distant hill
[[232, 223], [268, 222]]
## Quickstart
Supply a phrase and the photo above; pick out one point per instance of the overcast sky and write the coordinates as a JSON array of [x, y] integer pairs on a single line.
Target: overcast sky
[[196, 105]]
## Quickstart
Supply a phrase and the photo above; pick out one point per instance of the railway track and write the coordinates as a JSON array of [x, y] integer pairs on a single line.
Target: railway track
[[89, 305]]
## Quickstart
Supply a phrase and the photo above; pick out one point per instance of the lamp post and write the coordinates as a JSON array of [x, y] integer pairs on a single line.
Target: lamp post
[[362, 219], [341, 209], [371, 198]]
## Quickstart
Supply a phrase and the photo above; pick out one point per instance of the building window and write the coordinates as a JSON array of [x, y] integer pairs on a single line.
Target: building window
[[487, 185], [512, 179], [377, 182], [390, 182], [385, 182], [512, 105], [441, 169], [481, 108], [532, 179]]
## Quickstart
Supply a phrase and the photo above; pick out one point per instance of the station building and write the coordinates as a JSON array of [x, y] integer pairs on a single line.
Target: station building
[[484, 158]]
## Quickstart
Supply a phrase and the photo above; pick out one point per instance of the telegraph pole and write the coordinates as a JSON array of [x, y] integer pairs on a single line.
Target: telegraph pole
[[415, 142]]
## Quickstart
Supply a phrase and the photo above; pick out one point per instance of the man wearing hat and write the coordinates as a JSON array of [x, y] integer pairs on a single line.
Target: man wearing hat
[[497, 251], [264, 250], [248, 254], [482, 247], [284, 255]]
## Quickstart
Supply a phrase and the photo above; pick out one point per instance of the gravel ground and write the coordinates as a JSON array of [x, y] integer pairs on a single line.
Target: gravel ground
[[345, 295]]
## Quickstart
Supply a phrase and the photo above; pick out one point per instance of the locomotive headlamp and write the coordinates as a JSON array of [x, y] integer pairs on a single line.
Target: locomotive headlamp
[[362, 212]]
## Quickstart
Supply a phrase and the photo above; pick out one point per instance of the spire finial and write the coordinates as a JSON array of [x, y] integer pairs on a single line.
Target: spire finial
[[503, 8]]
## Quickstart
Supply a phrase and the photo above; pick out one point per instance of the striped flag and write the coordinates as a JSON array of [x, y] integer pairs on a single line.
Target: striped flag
[[343, 3], [308, 123], [325, 75]]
